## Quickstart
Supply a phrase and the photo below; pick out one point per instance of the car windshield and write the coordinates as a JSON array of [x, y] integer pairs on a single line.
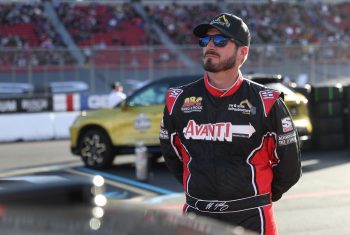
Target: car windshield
[[150, 95]]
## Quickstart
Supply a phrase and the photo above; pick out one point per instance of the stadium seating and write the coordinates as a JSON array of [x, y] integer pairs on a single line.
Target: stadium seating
[[99, 27], [108, 25]]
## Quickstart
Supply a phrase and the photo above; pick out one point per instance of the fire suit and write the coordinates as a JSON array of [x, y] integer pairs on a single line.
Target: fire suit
[[234, 151]]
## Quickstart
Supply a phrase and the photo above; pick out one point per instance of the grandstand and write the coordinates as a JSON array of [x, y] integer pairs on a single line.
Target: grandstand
[[99, 42]]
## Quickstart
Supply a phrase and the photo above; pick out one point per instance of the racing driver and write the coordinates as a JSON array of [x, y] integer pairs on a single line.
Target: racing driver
[[230, 142]]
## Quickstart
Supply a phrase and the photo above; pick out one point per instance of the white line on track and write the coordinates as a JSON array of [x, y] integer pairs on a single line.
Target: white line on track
[[38, 169], [116, 184]]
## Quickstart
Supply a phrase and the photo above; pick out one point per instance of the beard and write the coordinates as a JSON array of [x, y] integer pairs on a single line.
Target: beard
[[227, 64]]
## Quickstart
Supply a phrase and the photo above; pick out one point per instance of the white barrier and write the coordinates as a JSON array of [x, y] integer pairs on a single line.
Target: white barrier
[[46, 125], [35, 126]]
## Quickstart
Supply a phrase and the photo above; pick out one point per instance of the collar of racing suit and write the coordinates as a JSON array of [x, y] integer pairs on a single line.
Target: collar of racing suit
[[221, 93]]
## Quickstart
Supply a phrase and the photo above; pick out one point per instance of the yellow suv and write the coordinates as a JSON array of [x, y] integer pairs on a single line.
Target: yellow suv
[[98, 136]]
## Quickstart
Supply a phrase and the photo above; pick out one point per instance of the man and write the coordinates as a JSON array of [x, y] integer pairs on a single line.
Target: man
[[116, 96], [230, 142]]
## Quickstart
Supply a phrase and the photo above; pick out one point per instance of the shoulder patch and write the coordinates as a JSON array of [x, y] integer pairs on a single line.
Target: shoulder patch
[[171, 97], [268, 98]]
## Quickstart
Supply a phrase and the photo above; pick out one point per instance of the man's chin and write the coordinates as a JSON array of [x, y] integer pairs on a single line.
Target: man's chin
[[209, 66], [212, 70]]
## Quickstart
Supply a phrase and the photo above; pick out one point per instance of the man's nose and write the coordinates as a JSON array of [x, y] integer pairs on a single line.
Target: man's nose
[[211, 43]]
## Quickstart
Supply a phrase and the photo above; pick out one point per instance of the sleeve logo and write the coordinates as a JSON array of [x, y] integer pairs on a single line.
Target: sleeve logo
[[287, 139], [268, 98], [171, 98], [287, 124]]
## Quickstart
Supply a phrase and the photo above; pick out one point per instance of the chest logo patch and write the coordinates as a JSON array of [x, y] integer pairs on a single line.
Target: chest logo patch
[[244, 107], [223, 131], [192, 104]]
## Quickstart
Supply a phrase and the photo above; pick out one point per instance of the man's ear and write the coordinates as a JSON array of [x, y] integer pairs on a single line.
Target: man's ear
[[244, 51]]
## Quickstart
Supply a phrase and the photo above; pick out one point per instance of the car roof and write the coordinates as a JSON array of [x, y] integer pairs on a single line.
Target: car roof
[[263, 78], [174, 81]]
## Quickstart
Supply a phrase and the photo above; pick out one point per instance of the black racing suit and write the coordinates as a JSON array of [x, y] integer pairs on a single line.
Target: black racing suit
[[234, 151]]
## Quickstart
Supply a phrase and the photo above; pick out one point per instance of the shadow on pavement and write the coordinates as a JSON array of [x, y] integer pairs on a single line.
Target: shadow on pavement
[[317, 160], [159, 175]]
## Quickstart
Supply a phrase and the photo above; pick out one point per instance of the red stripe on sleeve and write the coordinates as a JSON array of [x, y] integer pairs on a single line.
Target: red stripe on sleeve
[[185, 160]]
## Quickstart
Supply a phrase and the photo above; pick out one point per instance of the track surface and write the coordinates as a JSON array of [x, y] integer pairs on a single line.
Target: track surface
[[318, 204]]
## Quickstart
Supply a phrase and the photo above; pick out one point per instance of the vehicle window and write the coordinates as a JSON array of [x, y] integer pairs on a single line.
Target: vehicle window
[[152, 95]]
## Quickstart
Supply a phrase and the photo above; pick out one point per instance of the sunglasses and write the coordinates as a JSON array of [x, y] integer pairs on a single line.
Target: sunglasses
[[219, 40]]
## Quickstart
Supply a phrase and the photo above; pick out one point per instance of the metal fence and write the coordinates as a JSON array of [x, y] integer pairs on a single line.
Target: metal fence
[[103, 66]]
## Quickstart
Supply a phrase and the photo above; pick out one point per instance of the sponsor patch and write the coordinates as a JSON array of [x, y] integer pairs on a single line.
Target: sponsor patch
[[221, 20], [245, 107], [171, 97], [288, 138], [163, 134], [268, 98], [287, 124], [223, 131], [192, 104]]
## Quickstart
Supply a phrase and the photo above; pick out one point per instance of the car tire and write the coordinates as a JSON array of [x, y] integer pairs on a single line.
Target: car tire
[[329, 93], [95, 149], [330, 125], [347, 93], [335, 141], [329, 109]]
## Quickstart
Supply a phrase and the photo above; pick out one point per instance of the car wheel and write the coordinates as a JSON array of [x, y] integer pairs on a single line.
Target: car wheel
[[96, 149]]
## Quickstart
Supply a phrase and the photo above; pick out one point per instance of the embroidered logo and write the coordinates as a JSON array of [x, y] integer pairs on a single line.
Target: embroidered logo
[[221, 20], [192, 104], [244, 107], [287, 124], [223, 131], [268, 97], [288, 138], [171, 97]]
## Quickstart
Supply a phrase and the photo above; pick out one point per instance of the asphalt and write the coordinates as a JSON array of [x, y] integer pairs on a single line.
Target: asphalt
[[318, 204]]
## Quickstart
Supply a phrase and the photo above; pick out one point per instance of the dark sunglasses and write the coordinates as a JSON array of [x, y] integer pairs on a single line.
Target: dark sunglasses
[[219, 40]]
